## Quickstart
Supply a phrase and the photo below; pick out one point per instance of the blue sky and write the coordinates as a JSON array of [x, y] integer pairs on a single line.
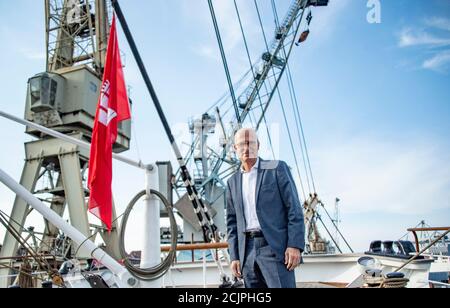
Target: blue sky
[[375, 98]]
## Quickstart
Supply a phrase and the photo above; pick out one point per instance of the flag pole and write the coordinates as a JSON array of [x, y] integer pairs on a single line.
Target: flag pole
[[151, 252]]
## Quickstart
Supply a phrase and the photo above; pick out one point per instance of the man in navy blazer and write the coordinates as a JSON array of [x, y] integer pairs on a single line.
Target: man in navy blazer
[[266, 230]]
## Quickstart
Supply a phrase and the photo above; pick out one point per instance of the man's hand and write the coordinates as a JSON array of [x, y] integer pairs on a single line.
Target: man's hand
[[293, 257], [236, 269]]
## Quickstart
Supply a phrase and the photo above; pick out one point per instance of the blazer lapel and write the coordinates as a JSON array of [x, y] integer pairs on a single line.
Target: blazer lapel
[[240, 195], [259, 180]]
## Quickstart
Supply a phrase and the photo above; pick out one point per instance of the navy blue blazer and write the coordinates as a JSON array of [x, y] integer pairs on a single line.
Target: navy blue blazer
[[278, 209]]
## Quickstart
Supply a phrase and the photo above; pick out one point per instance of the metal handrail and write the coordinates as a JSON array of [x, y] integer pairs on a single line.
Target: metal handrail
[[214, 249], [438, 283], [190, 247], [415, 230], [80, 143], [420, 252]]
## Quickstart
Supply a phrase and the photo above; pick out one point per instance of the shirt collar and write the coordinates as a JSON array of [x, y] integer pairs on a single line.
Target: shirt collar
[[256, 166]]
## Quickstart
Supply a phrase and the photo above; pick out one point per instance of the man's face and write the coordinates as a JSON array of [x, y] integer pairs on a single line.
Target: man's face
[[246, 145]]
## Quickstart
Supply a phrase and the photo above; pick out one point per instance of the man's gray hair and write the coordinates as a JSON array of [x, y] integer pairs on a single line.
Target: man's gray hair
[[244, 130]]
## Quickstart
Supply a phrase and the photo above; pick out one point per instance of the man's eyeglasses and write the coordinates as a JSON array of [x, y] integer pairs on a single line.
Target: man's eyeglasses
[[241, 145]]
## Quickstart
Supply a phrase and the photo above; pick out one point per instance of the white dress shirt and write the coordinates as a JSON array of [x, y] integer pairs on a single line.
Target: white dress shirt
[[249, 180]]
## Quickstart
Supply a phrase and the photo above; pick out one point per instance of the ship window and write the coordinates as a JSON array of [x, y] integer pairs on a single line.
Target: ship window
[[397, 249], [35, 88], [45, 90], [54, 88], [45, 84]]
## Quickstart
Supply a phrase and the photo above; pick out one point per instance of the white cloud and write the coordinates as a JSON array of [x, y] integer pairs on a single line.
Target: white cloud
[[439, 62], [433, 40], [380, 176], [438, 22], [409, 37]]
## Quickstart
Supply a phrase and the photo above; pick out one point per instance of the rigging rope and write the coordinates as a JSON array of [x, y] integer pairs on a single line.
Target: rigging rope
[[254, 76], [224, 59], [297, 125], [334, 224], [301, 133], [205, 220], [298, 119], [329, 233], [281, 103], [300, 122], [40, 261], [223, 99], [275, 14]]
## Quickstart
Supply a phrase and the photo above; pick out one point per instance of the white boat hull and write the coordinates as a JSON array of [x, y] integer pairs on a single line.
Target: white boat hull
[[331, 270]]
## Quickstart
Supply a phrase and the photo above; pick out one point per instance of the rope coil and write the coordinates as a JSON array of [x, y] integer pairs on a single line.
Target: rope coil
[[384, 282], [160, 270]]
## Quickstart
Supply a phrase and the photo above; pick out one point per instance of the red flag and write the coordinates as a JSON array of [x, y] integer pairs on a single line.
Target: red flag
[[113, 107]]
